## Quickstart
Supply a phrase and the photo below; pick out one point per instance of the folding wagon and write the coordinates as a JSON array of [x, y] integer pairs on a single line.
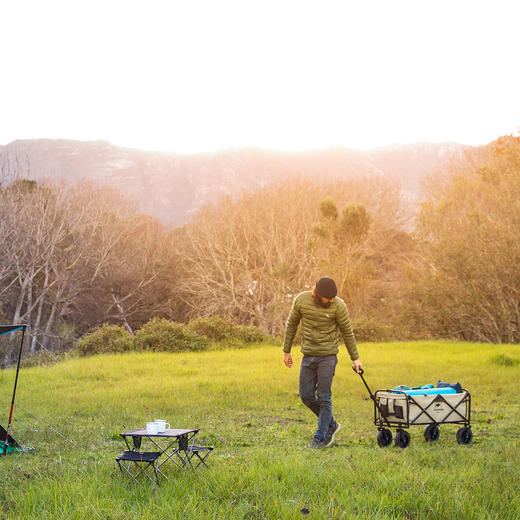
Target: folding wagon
[[429, 407]]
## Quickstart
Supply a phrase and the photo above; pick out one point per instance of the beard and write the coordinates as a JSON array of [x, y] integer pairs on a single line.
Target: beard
[[318, 301]]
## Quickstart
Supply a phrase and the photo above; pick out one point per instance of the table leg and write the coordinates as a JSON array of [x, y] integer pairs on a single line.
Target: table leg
[[183, 452]]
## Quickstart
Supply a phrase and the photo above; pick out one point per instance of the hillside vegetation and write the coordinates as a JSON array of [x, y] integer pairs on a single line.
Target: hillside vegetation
[[246, 404], [77, 256]]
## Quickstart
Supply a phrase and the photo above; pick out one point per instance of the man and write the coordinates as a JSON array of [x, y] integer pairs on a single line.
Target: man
[[321, 313]]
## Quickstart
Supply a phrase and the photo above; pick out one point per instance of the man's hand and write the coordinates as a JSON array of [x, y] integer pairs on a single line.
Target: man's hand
[[287, 359], [357, 366]]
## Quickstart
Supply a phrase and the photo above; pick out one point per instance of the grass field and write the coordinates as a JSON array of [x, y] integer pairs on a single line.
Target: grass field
[[245, 402]]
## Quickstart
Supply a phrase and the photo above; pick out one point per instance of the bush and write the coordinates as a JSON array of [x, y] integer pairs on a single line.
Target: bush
[[217, 328], [250, 334], [367, 329], [105, 339], [161, 334], [504, 361], [43, 358]]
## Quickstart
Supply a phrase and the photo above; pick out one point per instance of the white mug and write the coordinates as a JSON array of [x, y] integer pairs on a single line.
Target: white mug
[[152, 428], [162, 425]]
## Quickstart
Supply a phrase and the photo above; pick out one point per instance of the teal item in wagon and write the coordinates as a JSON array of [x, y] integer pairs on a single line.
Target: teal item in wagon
[[428, 389]]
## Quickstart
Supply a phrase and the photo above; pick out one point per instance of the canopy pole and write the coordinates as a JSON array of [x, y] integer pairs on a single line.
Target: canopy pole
[[14, 391]]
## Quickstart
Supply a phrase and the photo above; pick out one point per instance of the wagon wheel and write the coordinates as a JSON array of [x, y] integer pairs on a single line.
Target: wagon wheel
[[402, 439], [384, 438], [464, 435], [431, 433]]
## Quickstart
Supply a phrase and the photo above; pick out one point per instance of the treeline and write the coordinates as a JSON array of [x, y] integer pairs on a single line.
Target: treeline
[[464, 280], [75, 257], [246, 259]]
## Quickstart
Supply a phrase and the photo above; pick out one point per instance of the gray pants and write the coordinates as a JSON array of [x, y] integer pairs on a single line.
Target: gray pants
[[316, 374]]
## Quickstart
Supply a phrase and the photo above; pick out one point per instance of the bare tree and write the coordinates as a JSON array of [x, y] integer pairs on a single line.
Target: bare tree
[[246, 259], [66, 246], [464, 280]]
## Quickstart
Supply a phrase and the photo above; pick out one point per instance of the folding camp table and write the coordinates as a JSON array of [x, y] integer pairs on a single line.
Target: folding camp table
[[176, 445]]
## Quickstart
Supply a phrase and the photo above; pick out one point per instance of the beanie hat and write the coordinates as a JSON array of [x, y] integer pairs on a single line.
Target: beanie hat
[[326, 288]]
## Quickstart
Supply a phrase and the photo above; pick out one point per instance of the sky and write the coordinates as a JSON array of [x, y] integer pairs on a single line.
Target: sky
[[194, 76]]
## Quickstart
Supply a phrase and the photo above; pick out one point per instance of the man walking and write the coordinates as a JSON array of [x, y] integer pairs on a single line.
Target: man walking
[[321, 313]]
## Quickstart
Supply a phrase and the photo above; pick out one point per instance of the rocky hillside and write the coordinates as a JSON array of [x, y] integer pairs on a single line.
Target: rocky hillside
[[173, 186]]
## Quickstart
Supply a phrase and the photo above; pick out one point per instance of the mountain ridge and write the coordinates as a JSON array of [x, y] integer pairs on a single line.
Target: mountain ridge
[[173, 186]]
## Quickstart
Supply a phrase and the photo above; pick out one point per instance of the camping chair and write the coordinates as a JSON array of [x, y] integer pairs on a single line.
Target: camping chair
[[141, 462], [197, 450], [137, 463], [190, 451]]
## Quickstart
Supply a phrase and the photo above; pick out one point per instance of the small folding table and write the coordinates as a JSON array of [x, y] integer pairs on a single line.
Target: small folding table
[[177, 446]]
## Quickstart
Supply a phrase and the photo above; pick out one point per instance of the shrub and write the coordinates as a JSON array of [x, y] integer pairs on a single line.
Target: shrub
[[217, 328], [367, 329], [504, 361], [250, 334], [43, 358], [105, 339], [161, 334], [214, 327]]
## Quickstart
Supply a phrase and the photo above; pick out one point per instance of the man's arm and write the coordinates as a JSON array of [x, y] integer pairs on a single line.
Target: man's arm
[[290, 332], [343, 320]]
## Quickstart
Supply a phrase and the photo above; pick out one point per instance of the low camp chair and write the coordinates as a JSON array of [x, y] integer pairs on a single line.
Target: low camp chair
[[197, 451], [190, 450], [137, 463]]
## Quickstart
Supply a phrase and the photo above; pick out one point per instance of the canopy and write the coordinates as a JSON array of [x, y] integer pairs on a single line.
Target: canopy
[[4, 329]]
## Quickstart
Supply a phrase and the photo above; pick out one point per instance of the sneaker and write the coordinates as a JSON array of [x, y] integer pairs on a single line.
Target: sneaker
[[331, 433], [316, 444]]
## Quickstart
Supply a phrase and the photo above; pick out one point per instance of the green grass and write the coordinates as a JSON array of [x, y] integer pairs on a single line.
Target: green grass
[[245, 402]]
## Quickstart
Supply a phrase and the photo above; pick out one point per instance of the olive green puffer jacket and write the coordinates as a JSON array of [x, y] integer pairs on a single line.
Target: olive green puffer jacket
[[320, 327]]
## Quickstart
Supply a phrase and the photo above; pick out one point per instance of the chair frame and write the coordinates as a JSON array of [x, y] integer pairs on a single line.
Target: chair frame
[[142, 461], [196, 451]]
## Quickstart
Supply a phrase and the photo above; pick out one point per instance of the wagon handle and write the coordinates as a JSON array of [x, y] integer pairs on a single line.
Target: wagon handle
[[372, 396], [361, 372]]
